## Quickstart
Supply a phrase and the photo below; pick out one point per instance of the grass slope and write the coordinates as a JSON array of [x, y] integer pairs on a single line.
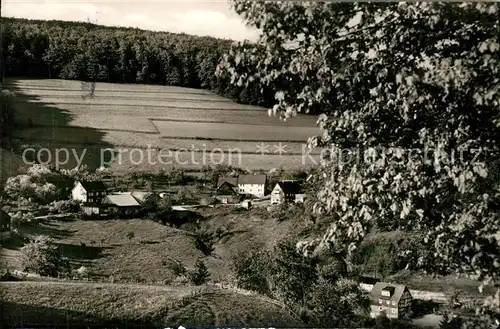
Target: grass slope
[[105, 248], [55, 114], [71, 304]]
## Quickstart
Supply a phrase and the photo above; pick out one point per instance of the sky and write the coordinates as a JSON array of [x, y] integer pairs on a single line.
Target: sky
[[202, 17]]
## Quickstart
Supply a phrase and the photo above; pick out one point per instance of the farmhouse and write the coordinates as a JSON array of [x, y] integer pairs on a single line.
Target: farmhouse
[[121, 204], [227, 193], [287, 191], [254, 185], [89, 192], [393, 300], [4, 222]]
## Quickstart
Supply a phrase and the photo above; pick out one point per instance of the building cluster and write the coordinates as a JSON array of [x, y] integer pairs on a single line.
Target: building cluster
[[96, 199], [235, 189]]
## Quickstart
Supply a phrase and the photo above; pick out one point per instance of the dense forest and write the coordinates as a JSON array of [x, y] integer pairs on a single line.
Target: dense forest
[[85, 51]]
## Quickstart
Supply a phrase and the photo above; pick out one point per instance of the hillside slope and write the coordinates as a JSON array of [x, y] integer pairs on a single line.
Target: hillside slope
[[71, 304], [141, 251]]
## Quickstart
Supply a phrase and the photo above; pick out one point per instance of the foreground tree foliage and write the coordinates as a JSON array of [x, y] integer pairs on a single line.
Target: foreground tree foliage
[[409, 96], [304, 285]]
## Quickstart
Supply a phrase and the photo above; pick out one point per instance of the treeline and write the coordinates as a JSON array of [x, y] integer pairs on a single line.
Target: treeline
[[84, 51], [6, 118]]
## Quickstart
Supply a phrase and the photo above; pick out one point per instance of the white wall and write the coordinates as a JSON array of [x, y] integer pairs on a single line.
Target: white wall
[[277, 195], [254, 189], [79, 193]]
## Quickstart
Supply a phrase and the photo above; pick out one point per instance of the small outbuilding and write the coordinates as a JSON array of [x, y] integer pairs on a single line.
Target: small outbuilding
[[227, 193], [4, 222], [366, 282], [247, 204], [91, 208]]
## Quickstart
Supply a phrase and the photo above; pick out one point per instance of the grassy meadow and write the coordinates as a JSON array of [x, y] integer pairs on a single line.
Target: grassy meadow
[[56, 114], [73, 304]]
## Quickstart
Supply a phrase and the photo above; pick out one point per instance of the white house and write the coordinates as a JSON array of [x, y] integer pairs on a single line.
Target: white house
[[287, 191], [252, 184], [89, 192], [246, 184]]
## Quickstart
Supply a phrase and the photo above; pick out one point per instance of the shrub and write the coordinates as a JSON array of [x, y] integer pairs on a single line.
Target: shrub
[[293, 274], [338, 304], [287, 211], [204, 242], [65, 207], [130, 235], [43, 257], [252, 272], [239, 210], [82, 272], [179, 269], [184, 195], [382, 322], [19, 218], [181, 280], [200, 275], [177, 177], [41, 184]]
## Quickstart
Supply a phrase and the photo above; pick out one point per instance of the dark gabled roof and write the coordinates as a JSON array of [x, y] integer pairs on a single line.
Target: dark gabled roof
[[252, 179], [231, 180], [226, 188], [243, 180], [290, 187], [368, 279], [396, 291], [94, 186], [248, 196]]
